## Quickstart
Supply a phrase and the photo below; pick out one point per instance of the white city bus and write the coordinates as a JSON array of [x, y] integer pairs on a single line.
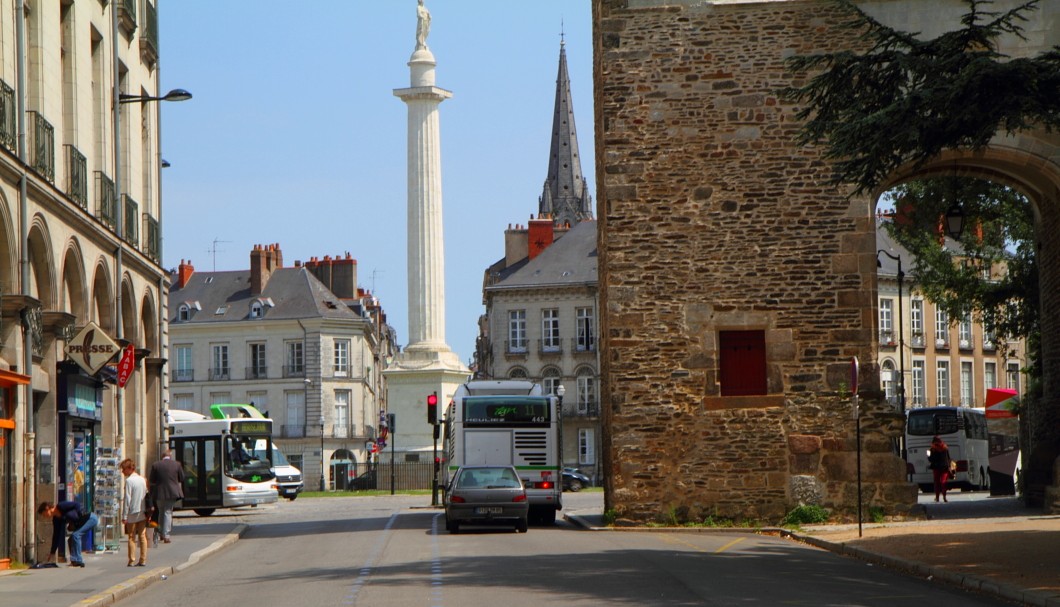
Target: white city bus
[[221, 468], [509, 423], [965, 433]]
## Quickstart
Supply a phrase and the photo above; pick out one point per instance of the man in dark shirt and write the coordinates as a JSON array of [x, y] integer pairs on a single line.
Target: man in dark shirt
[[68, 515]]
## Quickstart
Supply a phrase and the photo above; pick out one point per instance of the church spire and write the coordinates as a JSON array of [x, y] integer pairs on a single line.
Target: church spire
[[566, 193]]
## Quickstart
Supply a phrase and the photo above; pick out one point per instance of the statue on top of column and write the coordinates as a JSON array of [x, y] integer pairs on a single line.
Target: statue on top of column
[[423, 25]]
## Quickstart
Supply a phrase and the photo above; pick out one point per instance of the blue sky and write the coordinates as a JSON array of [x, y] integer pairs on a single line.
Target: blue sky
[[294, 135]]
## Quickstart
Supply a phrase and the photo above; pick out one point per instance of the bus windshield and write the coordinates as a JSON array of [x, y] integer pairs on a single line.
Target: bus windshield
[[242, 463], [506, 410], [930, 423]]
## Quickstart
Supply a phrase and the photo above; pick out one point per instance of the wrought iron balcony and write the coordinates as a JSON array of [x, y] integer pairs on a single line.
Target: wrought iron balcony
[[550, 347], [7, 116], [261, 372], [42, 146], [293, 431], [219, 374], [183, 375], [583, 345], [918, 340], [76, 176], [515, 347], [294, 370], [152, 238], [149, 34], [131, 223], [106, 201], [127, 16], [581, 410]]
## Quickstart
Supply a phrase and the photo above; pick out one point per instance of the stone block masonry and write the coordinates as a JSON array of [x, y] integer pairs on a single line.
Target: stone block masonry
[[712, 219]]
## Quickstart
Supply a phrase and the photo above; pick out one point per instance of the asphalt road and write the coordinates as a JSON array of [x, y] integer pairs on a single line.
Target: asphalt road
[[391, 551]]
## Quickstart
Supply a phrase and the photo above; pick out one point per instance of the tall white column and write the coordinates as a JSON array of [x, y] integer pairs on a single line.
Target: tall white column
[[427, 365], [426, 263]]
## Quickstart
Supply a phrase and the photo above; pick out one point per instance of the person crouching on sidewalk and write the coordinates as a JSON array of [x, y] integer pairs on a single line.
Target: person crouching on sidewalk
[[134, 511], [68, 516]]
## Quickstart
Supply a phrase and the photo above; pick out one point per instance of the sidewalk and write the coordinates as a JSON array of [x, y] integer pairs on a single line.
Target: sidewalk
[[1015, 558], [105, 577]]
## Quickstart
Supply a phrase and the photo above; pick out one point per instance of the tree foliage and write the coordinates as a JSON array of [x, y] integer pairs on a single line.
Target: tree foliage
[[991, 272], [905, 99]]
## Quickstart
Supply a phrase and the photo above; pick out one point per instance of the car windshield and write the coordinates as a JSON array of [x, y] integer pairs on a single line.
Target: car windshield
[[488, 478]]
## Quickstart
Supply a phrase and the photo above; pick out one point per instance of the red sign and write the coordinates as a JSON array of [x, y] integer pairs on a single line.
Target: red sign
[[126, 364]]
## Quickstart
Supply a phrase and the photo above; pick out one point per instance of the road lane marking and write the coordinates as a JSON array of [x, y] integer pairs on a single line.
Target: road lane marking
[[366, 568], [670, 538], [436, 564]]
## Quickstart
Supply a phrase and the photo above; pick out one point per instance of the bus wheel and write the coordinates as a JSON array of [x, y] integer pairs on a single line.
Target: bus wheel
[[204, 511]]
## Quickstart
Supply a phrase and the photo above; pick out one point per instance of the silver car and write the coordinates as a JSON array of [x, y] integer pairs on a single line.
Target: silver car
[[486, 495]]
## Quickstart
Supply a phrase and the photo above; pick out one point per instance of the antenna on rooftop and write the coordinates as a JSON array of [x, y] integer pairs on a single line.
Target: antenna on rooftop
[[374, 272], [213, 251]]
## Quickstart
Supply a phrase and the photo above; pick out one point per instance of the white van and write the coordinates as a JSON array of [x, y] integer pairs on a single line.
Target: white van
[[288, 478]]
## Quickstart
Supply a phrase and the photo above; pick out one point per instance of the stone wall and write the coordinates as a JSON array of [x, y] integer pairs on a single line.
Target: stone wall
[[712, 219]]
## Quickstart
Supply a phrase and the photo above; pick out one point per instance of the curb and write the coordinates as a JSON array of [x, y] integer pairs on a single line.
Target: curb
[[124, 590], [973, 583]]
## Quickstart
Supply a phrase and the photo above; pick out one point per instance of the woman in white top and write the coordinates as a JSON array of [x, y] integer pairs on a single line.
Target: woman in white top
[[134, 513]]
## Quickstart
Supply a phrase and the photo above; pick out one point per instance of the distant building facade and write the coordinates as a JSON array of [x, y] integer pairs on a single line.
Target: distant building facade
[[301, 343], [947, 362], [541, 297], [541, 324]]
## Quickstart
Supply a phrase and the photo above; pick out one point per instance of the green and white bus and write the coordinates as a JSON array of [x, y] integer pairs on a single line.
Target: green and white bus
[[508, 423], [223, 467]]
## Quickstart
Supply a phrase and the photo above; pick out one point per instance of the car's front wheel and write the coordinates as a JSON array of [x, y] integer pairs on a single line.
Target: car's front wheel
[[575, 485]]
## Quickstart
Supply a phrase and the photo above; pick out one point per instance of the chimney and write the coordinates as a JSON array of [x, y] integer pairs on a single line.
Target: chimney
[[260, 269], [184, 272], [541, 235], [515, 240], [344, 277]]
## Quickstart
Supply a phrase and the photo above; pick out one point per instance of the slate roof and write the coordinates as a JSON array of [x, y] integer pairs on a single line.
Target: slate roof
[[294, 293], [570, 260]]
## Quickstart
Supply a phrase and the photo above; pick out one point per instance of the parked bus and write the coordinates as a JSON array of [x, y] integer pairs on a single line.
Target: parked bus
[[508, 423], [223, 467], [965, 433]]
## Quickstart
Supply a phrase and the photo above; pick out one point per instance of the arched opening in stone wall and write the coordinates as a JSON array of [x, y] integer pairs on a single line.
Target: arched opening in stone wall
[[74, 295], [952, 351], [102, 306]]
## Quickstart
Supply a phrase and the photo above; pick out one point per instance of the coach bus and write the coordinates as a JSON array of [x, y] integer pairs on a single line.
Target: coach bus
[[965, 433], [510, 423], [222, 466]]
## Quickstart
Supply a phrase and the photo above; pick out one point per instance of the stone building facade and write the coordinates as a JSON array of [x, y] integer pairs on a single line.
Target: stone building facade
[[736, 284], [80, 247]]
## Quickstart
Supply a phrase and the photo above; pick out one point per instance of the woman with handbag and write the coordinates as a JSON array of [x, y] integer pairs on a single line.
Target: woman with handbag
[[134, 511], [940, 463], [68, 516]]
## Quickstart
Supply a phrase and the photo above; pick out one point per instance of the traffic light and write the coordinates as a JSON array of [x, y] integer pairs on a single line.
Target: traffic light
[[432, 408]]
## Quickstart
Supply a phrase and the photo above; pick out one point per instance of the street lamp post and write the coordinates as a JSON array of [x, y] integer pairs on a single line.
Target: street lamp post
[[119, 207], [901, 329], [322, 485]]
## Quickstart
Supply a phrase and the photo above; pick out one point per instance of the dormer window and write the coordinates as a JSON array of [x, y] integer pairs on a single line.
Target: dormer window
[[259, 306], [186, 309]]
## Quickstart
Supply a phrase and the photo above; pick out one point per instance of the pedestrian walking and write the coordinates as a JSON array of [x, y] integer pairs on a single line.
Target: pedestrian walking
[[939, 461], [134, 512], [68, 516], [167, 488]]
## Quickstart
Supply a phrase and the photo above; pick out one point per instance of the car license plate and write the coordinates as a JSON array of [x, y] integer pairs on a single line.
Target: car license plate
[[489, 510]]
